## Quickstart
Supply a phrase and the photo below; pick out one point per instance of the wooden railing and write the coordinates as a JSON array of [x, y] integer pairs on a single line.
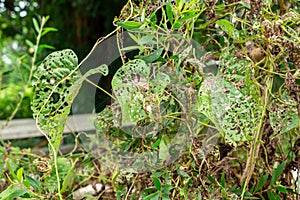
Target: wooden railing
[[26, 128]]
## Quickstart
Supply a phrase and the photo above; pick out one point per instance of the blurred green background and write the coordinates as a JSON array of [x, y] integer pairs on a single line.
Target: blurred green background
[[79, 24]]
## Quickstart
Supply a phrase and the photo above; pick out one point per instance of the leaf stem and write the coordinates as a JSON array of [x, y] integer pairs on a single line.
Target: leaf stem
[[254, 150]]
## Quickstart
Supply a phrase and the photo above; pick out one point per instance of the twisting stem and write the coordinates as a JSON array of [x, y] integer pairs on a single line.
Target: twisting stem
[[254, 150]]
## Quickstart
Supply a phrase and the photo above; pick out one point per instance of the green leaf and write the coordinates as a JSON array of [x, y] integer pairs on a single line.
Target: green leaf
[[130, 48], [132, 36], [165, 197], [56, 85], [143, 15], [273, 195], [35, 25], [130, 25], [262, 181], [187, 17], [169, 12], [238, 192], [281, 189], [277, 172], [166, 189], [47, 30], [283, 116], [153, 56], [179, 4], [230, 111], [153, 18], [148, 39], [29, 43], [68, 179], [156, 144], [44, 46], [229, 28], [46, 18], [211, 179], [154, 196], [223, 180], [174, 57], [20, 174], [203, 25], [12, 192], [11, 171], [246, 5], [157, 183], [102, 69], [26, 183], [182, 173], [163, 149], [177, 25], [147, 191], [122, 85]]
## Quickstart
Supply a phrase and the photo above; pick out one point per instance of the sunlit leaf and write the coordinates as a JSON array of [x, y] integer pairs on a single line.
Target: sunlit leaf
[[47, 30], [45, 46], [169, 12], [35, 25], [55, 90], [229, 28], [20, 174], [157, 183], [29, 43], [281, 189], [129, 25]]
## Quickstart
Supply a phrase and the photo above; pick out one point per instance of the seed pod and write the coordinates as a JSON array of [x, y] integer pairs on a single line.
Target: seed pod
[[256, 54]]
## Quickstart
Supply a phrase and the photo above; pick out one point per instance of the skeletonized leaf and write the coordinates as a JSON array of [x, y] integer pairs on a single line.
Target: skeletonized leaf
[[55, 88], [283, 114]]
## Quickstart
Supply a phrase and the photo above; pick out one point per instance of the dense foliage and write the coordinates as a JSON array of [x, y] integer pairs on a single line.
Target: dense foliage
[[208, 108]]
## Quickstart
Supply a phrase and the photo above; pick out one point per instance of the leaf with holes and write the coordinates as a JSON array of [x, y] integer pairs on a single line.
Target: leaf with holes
[[55, 88], [228, 109], [136, 93], [141, 98], [127, 84], [57, 83], [283, 114]]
